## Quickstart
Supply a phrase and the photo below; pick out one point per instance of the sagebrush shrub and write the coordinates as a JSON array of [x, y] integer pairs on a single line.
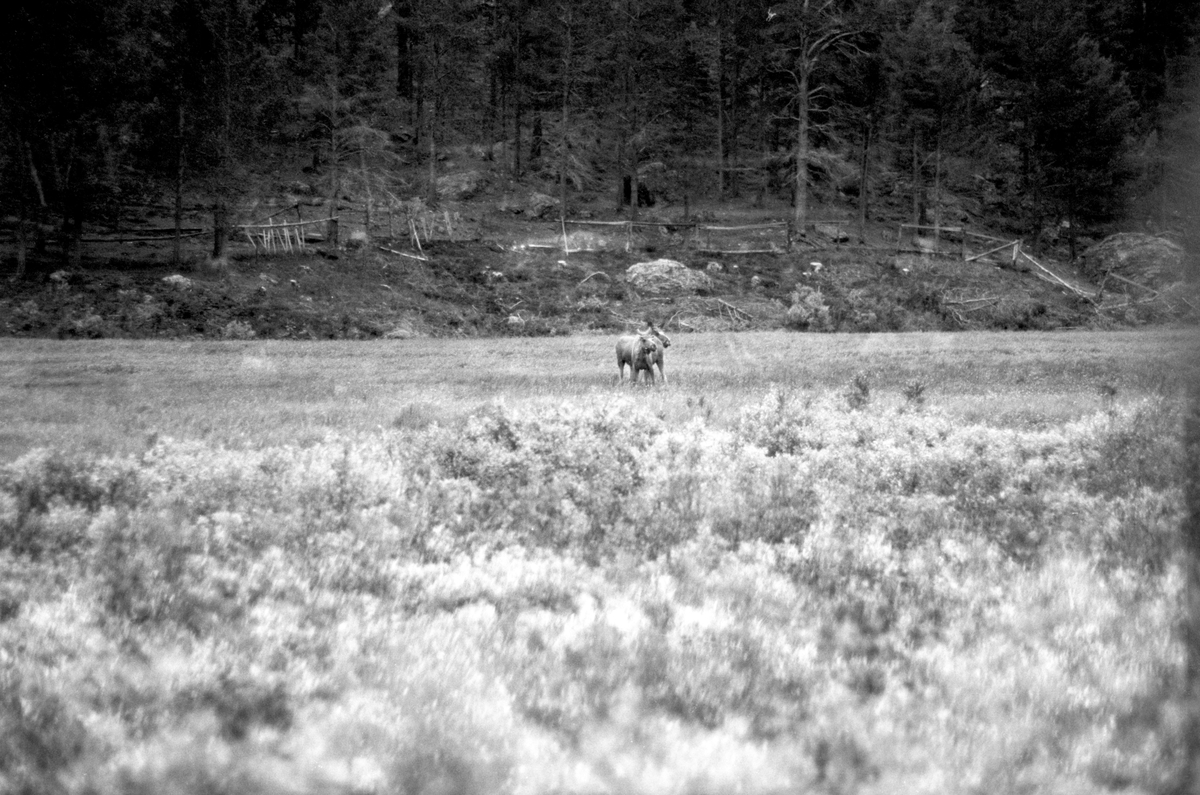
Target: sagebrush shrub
[[45, 481], [781, 425], [151, 566], [40, 736], [1134, 448], [555, 478]]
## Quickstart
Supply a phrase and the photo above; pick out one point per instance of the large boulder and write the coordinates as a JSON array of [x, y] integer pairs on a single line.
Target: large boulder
[[460, 186], [532, 204], [1145, 259], [666, 276], [539, 204]]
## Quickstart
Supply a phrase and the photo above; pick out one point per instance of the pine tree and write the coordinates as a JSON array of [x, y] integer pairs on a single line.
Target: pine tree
[[1074, 112], [932, 75], [806, 32]]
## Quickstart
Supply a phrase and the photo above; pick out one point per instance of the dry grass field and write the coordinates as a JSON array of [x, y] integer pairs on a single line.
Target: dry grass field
[[112, 395], [924, 563]]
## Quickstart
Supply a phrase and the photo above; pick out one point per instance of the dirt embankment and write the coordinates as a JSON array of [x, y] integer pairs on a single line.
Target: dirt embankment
[[489, 288]]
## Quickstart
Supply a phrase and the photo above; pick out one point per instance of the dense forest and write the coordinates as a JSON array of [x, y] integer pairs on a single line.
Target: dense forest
[[1046, 113]]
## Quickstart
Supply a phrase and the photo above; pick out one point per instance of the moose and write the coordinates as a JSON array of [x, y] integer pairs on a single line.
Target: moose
[[642, 352]]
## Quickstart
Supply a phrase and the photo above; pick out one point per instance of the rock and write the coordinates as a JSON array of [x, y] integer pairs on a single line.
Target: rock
[[1145, 259], [358, 240], [533, 205], [460, 186], [509, 204], [666, 276], [834, 232], [178, 281], [538, 204]]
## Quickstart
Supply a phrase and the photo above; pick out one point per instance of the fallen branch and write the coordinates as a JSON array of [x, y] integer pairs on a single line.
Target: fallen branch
[[402, 254], [972, 300], [1131, 282], [747, 228], [991, 251], [746, 250], [1055, 278], [595, 273], [626, 321], [167, 238], [732, 309]]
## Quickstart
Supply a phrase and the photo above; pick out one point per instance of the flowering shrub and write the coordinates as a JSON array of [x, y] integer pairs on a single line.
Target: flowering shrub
[[559, 478], [826, 595], [47, 496]]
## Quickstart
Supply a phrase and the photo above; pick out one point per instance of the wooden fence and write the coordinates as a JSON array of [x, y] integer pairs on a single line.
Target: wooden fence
[[284, 237]]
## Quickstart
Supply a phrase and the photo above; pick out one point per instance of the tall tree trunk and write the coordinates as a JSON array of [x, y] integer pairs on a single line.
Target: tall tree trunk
[[937, 185], [366, 178], [916, 180], [33, 174], [302, 23], [517, 98], [22, 240], [563, 154], [800, 212], [433, 189], [177, 246], [620, 160], [220, 224], [335, 177], [863, 183], [733, 153], [74, 224], [225, 72], [406, 50], [634, 184], [720, 108]]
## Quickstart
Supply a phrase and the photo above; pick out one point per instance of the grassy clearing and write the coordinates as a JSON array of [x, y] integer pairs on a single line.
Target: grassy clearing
[[479, 568], [110, 396]]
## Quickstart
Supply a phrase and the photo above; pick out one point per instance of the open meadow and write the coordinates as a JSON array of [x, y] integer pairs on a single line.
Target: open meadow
[[921, 563]]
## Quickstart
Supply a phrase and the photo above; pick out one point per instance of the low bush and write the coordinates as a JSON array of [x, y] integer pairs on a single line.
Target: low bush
[[46, 497], [574, 599]]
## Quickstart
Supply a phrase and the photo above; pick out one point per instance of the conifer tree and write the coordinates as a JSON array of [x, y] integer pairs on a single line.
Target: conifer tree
[[805, 33]]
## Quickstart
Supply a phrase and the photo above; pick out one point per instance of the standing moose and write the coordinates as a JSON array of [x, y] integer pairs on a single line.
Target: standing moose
[[642, 352]]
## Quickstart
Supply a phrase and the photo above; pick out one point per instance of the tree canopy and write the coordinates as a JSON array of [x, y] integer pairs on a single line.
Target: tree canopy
[[1045, 111]]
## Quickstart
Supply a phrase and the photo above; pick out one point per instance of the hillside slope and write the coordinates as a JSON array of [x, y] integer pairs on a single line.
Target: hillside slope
[[505, 273]]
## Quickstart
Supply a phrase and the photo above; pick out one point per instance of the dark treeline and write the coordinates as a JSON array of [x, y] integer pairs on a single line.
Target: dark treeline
[[1045, 112]]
